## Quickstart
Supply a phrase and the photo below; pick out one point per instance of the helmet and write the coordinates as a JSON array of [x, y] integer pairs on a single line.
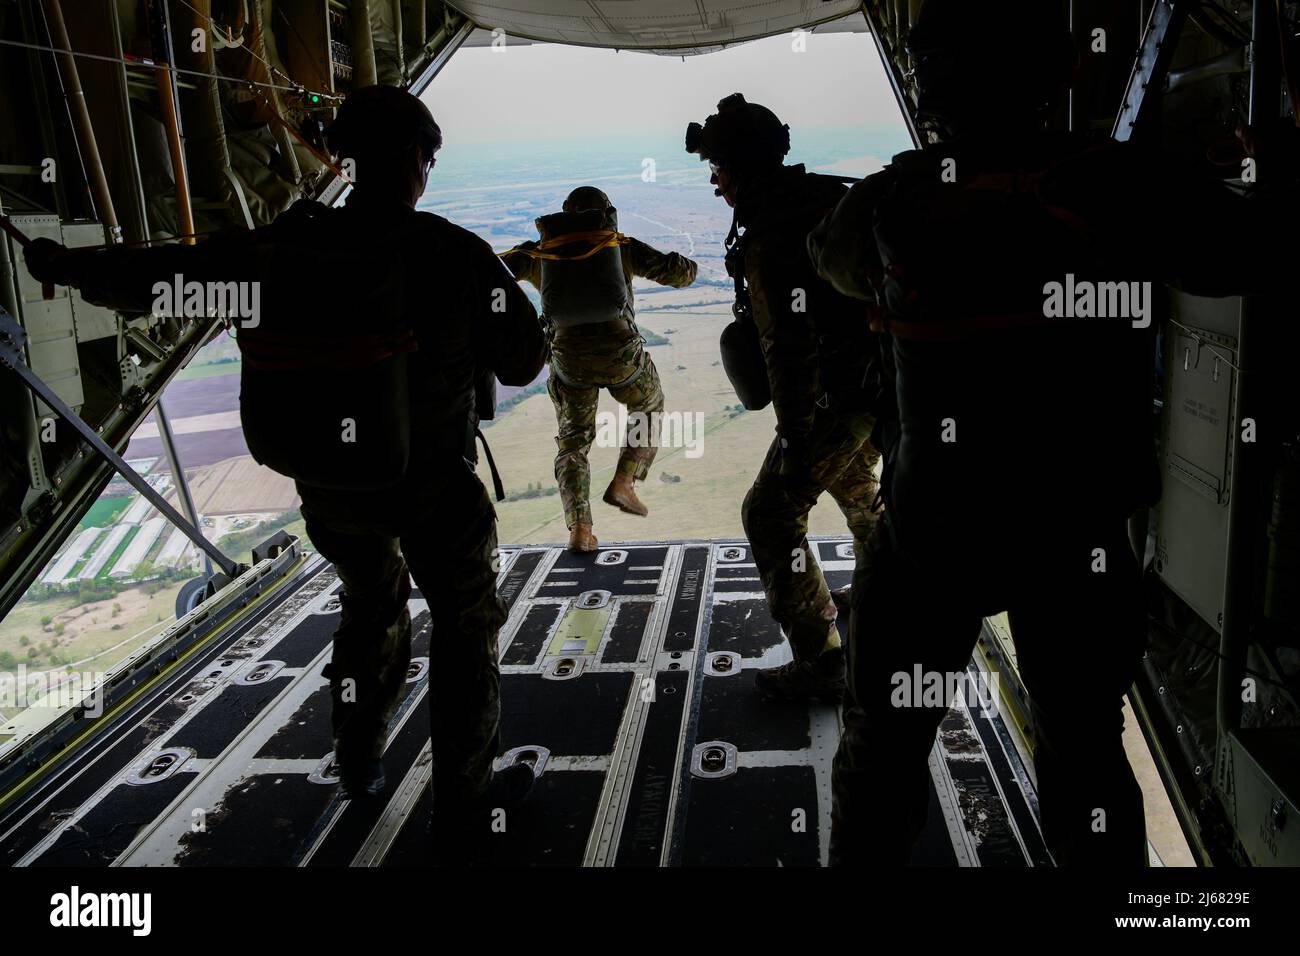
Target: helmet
[[1017, 54], [740, 134], [382, 120], [586, 197]]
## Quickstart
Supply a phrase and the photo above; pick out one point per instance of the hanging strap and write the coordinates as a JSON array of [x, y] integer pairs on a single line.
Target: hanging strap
[[497, 488], [735, 260]]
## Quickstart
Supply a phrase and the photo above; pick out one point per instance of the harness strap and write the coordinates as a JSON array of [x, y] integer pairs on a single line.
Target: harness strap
[[601, 239], [574, 383], [497, 488]]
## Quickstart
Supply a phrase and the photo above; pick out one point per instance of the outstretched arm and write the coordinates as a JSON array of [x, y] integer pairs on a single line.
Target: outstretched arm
[[665, 268], [123, 278], [524, 267]]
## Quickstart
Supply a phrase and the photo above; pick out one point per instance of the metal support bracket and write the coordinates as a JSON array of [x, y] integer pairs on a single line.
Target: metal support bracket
[[1147, 81], [13, 338], [897, 83]]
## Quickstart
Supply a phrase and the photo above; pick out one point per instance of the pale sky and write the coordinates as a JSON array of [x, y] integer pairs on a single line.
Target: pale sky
[[527, 92]]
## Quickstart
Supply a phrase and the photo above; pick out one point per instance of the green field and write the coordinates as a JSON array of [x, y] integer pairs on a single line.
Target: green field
[[95, 635], [239, 544], [209, 370], [118, 552], [104, 512]]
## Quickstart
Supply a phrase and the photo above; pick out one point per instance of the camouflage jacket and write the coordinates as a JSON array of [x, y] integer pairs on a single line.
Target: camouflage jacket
[[816, 341]]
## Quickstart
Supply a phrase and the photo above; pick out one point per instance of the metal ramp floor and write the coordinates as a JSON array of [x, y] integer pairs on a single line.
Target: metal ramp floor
[[624, 681]]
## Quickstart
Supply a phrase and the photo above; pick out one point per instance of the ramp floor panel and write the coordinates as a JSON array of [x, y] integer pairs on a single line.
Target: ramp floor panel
[[627, 681], [761, 816]]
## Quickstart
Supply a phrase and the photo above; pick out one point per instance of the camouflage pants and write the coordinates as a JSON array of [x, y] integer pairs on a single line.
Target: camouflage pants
[[775, 516], [634, 385], [444, 530]]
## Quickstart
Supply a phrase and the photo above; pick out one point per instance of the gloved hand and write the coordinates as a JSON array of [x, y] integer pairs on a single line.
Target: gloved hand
[[796, 457], [43, 261]]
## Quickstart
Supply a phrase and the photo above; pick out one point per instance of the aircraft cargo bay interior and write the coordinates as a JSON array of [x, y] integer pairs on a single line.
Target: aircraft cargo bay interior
[[989, 562]]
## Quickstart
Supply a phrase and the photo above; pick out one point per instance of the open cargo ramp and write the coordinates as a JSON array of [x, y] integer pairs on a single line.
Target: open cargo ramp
[[625, 682]]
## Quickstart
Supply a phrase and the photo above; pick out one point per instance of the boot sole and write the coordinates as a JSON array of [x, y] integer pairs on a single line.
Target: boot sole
[[366, 790], [609, 499]]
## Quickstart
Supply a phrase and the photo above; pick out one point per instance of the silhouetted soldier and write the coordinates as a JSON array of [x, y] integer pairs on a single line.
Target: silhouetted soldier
[[440, 306], [812, 349], [1022, 440], [584, 270]]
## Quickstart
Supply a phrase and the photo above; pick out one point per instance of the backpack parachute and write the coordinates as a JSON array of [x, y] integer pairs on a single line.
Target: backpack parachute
[[950, 274], [323, 390], [582, 278]]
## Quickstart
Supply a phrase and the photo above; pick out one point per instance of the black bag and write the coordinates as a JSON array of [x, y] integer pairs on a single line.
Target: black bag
[[742, 351], [742, 360], [323, 392]]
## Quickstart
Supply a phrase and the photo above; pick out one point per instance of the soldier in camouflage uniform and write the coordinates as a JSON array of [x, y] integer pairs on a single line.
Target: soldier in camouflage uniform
[[437, 524], [1003, 518], [815, 343], [610, 355]]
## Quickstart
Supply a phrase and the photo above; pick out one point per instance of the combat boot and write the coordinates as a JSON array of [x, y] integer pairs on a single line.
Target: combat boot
[[456, 826], [581, 538], [367, 675], [359, 734], [362, 777], [822, 679], [621, 493]]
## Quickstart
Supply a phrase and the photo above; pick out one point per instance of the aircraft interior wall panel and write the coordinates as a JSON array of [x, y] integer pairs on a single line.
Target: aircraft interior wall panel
[[1181, 666], [1199, 419], [50, 326], [1264, 801], [92, 321]]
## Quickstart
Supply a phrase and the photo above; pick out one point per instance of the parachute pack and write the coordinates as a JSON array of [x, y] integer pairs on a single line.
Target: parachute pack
[[946, 274], [582, 278], [323, 392]]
